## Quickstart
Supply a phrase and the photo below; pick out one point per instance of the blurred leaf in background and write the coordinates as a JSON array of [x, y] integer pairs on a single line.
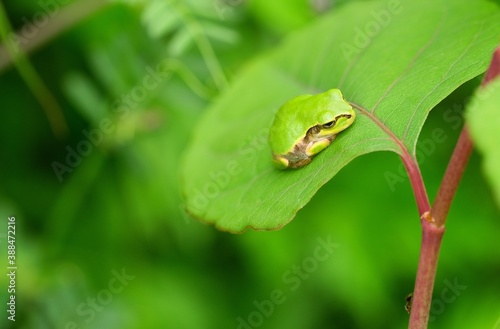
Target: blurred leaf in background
[[485, 122], [102, 238]]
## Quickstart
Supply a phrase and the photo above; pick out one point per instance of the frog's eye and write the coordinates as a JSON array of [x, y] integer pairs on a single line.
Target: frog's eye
[[328, 125]]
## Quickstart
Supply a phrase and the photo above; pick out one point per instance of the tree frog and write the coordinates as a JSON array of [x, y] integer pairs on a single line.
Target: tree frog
[[306, 125]]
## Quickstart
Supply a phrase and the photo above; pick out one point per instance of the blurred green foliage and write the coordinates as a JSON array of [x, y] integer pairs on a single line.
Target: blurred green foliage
[[110, 246]]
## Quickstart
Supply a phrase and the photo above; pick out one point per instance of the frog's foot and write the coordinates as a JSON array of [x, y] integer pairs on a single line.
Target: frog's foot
[[284, 162], [315, 147], [281, 162]]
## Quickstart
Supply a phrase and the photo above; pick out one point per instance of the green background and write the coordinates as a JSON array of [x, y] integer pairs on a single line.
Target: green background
[[120, 209]]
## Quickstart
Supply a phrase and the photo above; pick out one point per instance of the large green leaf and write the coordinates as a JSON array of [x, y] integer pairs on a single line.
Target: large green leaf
[[483, 117], [396, 60]]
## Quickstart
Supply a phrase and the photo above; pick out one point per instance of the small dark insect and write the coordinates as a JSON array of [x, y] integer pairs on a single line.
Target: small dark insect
[[408, 300]]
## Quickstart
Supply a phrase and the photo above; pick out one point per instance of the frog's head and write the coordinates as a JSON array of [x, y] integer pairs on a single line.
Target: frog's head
[[336, 115], [333, 126]]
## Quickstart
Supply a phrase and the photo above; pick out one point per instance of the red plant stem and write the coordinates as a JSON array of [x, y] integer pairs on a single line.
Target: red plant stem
[[494, 69], [417, 183], [433, 221], [451, 179], [432, 233], [424, 282], [433, 230]]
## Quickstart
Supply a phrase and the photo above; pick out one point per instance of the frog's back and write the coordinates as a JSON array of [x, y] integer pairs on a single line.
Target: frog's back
[[289, 125]]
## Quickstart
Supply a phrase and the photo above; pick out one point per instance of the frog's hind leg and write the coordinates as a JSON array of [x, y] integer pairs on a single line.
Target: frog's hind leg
[[300, 163]]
